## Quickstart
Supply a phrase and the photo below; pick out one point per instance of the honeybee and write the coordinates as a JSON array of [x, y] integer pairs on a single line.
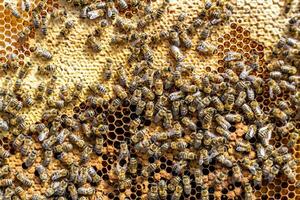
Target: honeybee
[[229, 102], [48, 154], [174, 96], [248, 191], [114, 105], [280, 115], [98, 145], [294, 136], [224, 160], [21, 193], [149, 111], [233, 56], [274, 88], [43, 53], [26, 147], [176, 53], [107, 69], [23, 179], [153, 193], [162, 189], [5, 182], [13, 11], [86, 153], [247, 111], [120, 92], [251, 132], [4, 153], [58, 174], [48, 143], [186, 155], [222, 121], [190, 124], [67, 28], [44, 25], [41, 171], [93, 44], [265, 133], [206, 48], [94, 14], [186, 40], [72, 191], [222, 131], [98, 89], [287, 69], [217, 103], [23, 35], [5, 170], [243, 146], [4, 125], [95, 177], [77, 140]]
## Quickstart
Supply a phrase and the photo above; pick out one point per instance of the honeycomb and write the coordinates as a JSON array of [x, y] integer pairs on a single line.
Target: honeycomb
[[93, 130]]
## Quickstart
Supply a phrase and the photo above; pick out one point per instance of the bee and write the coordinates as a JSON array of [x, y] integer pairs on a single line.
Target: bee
[[207, 117], [5, 170], [23, 35], [21, 193], [206, 48], [3, 125], [95, 177], [159, 87], [222, 131], [203, 157], [233, 56], [243, 146], [286, 86], [98, 145], [186, 40], [248, 111], [4, 153], [167, 123], [294, 136], [48, 154], [23, 179], [48, 143], [204, 34], [73, 172], [120, 92], [229, 102], [98, 89], [241, 99], [186, 184], [58, 174], [153, 193], [265, 133], [61, 187], [187, 122], [68, 27], [224, 160], [218, 104], [274, 88], [251, 132], [43, 53], [77, 140], [44, 25], [256, 109], [87, 191], [162, 189], [72, 191], [222, 121], [248, 191], [133, 166], [59, 13], [41, 171], [202, 102], [286, 129], [86, 153], [35, 19], [30, 159], [149, 111], [237, 173], [186, 155], [174, 96], [107, 69], [279, 114], [13, 11], [93, 44], [94, 14], [140, 107], [6, 182], [176, 53], [116, 103], [221, 177], [26, 147]]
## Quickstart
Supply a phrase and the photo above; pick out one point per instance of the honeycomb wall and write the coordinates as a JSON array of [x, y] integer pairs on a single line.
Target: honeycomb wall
[[78, 65]]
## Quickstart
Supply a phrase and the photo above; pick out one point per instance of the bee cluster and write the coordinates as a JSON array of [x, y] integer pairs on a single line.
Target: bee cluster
[[167, 132]]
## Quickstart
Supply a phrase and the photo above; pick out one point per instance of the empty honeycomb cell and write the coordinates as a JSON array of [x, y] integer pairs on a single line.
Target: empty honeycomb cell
[[233, 48], [291, 195], [246, 47]]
